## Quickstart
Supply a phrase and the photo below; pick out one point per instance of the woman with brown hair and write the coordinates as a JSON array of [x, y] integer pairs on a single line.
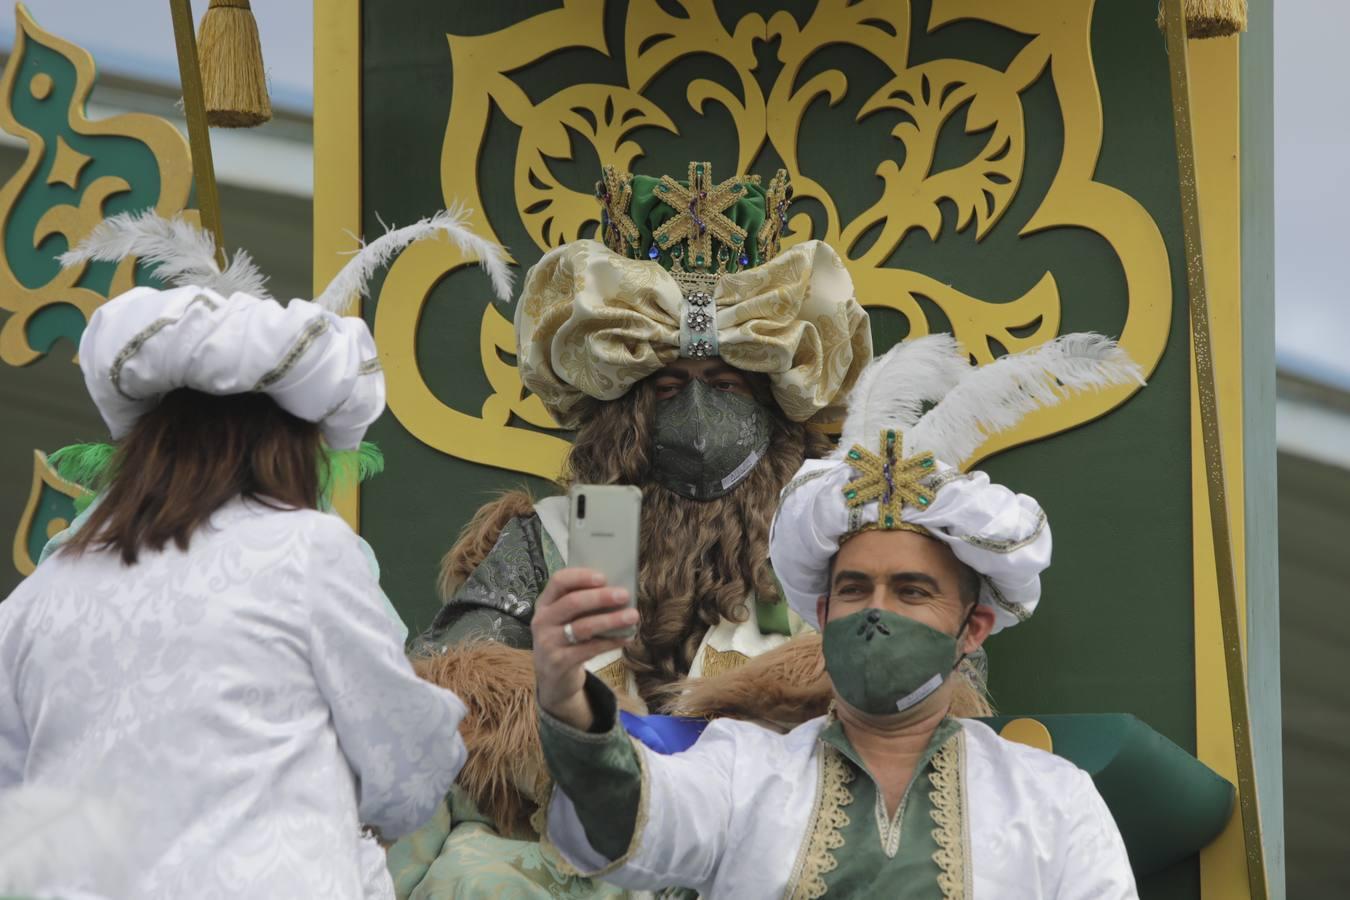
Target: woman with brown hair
[[209, 655]]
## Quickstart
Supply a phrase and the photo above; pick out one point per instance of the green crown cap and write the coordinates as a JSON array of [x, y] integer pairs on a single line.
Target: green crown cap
[[696, 226]]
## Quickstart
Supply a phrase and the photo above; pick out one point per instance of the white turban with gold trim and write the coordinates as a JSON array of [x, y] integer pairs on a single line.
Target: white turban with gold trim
[[220, 333], [592, 323], [917, 413]]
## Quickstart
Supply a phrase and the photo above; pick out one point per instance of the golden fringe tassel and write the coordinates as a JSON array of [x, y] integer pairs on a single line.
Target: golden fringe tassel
[[1213, 18], [233, 78]]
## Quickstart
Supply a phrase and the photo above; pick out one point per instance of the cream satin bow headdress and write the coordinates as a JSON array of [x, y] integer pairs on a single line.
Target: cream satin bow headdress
[[691, 269]]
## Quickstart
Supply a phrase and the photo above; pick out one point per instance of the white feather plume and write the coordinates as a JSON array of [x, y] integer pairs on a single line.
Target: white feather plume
[[355, 275], [896, 388], [997, 396], [182, 253], [37, 825]]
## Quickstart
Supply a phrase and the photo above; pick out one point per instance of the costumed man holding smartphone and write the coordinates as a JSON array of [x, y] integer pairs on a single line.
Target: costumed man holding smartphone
[[907, 565], [695, 357]]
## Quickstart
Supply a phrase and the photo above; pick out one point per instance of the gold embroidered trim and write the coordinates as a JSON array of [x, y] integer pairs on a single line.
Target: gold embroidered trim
[[1007, 546], [308, 335], [948, 799], [134, 345], [719, 662], [890, 828], [889, 479], [1016, 610], [801, 480], [824, 829]]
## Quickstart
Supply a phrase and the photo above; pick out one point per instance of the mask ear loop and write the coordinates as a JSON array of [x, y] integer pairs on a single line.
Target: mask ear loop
[[820, 659], [965, 623]]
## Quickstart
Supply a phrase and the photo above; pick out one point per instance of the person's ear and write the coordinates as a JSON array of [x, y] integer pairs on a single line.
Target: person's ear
[[979, 627], [822, 610]]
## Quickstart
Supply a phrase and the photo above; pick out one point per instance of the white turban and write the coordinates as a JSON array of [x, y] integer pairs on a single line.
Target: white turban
[[316, 365], [219, 332], [936, 409], [1003, 536]]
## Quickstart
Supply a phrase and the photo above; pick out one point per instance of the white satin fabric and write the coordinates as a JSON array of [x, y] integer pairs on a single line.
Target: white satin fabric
[[247, 703], [316, 365], [1002, 535], [729, 816]]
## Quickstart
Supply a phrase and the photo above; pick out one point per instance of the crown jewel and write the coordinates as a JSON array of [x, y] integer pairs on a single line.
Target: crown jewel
[[697, 227]]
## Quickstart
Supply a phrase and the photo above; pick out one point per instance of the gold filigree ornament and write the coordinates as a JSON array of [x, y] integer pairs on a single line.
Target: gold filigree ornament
[[47, 508], [923, 98], [74, 167], [890, 479]]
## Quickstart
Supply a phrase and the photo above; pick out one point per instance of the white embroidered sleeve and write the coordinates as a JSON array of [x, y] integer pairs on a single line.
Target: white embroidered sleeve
[[1096, 866], [13, 735], [399, 733]]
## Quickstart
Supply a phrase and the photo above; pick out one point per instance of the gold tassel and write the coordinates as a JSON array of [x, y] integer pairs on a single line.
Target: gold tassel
[[1213, 18], [233, 79]]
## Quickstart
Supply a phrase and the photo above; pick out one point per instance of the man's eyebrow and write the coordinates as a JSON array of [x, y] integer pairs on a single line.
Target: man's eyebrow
[[921, 577], [723, 369], [672, 372], [851, 575]]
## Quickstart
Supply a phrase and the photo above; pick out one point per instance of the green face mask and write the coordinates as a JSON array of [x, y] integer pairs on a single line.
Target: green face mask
[[708, 441], [882, 662]]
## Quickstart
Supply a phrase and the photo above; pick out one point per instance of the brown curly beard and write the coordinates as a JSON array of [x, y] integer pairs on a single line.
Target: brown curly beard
[[700, 560]]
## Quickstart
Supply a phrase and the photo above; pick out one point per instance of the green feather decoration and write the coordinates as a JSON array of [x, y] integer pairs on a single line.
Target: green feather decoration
[[347, 467], [90, 466], [87, 465]]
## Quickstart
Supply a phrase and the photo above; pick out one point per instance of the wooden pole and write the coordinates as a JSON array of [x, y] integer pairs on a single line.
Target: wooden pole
[[199, 136]]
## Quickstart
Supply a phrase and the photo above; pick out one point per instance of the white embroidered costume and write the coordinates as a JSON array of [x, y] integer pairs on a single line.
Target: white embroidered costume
[[733, 817], [245, 702], [749, 813]]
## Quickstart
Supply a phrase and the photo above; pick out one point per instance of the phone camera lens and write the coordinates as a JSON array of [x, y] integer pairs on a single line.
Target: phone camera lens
[[581, 506]]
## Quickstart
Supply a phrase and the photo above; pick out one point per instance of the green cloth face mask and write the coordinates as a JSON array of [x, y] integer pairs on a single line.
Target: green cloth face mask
[[708, 441], [883, 663]]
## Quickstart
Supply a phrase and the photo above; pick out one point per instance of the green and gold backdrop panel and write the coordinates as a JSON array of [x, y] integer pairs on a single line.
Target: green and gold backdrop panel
[[73, 172], [1004, 171]]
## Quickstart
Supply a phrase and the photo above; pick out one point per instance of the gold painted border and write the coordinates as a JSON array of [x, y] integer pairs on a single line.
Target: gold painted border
[[43, 474], [337, 161], [1215, 110], [169, 148]]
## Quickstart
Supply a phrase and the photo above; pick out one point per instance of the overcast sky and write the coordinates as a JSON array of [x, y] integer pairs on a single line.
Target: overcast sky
[[135, 37]]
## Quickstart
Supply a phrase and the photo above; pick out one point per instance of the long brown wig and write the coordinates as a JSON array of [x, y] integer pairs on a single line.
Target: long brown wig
[[189, 456], [700, 561]]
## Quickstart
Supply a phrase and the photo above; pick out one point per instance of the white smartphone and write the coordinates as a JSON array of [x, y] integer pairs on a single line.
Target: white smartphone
[[602, 534]]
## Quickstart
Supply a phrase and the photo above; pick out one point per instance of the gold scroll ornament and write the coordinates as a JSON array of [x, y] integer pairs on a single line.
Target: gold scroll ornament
[[926, 95], [71, 221], [44, 478]]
